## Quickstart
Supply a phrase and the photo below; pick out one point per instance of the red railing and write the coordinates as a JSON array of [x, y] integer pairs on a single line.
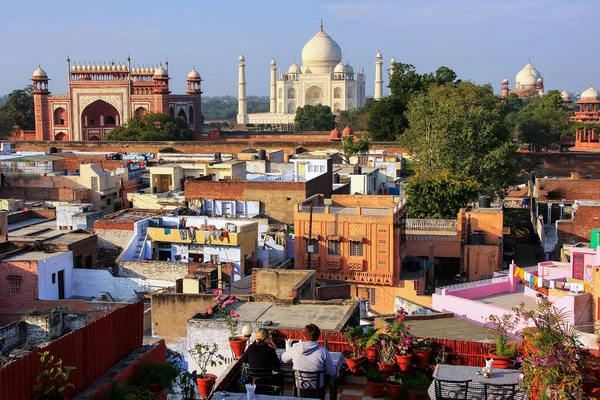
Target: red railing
[[92, 350]]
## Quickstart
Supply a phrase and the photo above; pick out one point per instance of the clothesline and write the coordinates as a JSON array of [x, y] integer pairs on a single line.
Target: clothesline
[[533, 281]]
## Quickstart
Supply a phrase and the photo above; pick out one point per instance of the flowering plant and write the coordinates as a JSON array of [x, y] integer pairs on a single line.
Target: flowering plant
[[502, 329], [398, 330], [403, 348], [555, 362], [353, 334], [223, 307], [422, 344], [386, 352]]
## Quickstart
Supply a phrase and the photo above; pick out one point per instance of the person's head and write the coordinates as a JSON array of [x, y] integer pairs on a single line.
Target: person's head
[[262, 335], [312, 332]]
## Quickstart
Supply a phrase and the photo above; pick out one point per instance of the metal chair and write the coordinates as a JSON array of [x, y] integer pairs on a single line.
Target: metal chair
[[451, 390], [267, 382], [310, 384], [500, 392]]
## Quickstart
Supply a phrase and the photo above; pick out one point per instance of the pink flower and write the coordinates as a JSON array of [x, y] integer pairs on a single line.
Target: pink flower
[[209, 310]]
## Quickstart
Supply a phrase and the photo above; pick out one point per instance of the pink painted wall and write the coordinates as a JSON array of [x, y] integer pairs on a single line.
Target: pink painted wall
[[552, 270], [480, 291], [591, 257]]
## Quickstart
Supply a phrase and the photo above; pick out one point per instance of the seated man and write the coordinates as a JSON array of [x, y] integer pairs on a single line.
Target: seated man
[[310, 357]]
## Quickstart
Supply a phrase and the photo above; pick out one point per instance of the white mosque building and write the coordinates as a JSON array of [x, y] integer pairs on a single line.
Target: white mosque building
[[322, 79]]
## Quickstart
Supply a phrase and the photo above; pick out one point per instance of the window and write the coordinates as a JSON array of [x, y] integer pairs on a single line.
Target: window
[[380, 251], [382, 241], [92, 121], [53, 279], [15, 283], [110, 120], [333, 247], [108, 202], [382, 262], [315, 244], [310, 168], [356, 249], [382, 229], [95, 183]]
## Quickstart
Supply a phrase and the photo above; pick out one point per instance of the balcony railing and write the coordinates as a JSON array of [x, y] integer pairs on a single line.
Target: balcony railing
[[447, 225]]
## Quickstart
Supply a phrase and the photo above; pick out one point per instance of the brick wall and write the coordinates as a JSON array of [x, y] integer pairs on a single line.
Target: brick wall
[[15, 304], [10, 336], [334, 292], [577, 230], [559, 164]]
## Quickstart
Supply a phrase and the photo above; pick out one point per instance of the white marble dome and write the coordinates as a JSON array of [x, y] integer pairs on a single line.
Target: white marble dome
[[294, 69], [565, 95], [528, 76], [321, 53], [349, 69], [160, 72], [193, 74], [340, 68], [590, 93], [40, 73]]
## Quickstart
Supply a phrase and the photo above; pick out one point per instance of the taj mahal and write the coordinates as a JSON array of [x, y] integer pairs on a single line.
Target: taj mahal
[[322, 79]]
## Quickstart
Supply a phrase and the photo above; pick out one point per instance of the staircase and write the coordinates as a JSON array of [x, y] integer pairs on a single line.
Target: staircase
[[140, 244]]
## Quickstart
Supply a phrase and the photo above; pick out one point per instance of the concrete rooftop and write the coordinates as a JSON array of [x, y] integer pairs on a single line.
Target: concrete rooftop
[[34, 256], [509, 300], [448, 328]]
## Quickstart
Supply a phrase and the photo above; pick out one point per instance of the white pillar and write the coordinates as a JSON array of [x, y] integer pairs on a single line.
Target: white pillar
[[242, 117], [378, 77], [273, 93], [392, 69]]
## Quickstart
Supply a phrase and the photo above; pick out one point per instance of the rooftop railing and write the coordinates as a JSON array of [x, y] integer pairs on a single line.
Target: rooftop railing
[[413, 224]]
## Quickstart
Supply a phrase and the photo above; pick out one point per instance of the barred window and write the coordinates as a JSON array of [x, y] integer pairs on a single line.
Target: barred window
[[380, 251], [356, 249], [15, 286], [333, 247], [382, 241], [314, 243]]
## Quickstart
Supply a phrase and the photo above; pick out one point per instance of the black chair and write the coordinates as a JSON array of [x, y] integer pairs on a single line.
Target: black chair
[[451, 390], [500, 392], [267, 382], [310, 384]]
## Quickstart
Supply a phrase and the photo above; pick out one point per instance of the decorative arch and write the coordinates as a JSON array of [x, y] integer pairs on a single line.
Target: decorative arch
[[61, 136], [96, 116], [94, 138], [280, 108], [140, 112], [291, 93], [60, 116], [291, 108], [314, 95], [172, 111], [182, 113], [280, 93], [337, 93], [109, 120], [337, 107], [191, 115], [350, 93]]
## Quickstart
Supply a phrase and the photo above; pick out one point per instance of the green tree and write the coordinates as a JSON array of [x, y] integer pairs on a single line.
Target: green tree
[[387, 120], [19, 108], [511, 106], [351, 148], [440, 195], [6, 125], [460, 129], [542, 122], [314, 118], [358, 118], [152, 127]]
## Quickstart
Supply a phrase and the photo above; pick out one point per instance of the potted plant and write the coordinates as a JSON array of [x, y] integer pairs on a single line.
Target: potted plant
[[222, 308], [370, 341], [187, 384], [387, 357], [53, 379], [555, 362], [422, 348], [375, 382], [156, 377], [206, 355], [403, 353], [394, 385], [502, 327], [354, 361], [417, 385]]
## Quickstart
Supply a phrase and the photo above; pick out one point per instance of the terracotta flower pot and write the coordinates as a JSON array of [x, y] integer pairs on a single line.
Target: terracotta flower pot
[[395, 390], [238, 346], [404, 362], [422, 357], [372, 354], [375, 389], [413, 394], [155, 388], [354, 363], [206, 384], [387, 369], [502, 362]]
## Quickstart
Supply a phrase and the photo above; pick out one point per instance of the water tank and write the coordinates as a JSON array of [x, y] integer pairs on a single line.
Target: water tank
[[594, 238], [357, 169], [478, 238], [262, 154], [217, 156], [52, 150], [336, 178], [484, 201]]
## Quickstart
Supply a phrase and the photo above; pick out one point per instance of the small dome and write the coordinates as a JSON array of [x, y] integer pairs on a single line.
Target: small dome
[[74, 68], [378, 55], [40, 73], [78, 67], [160, 73], [113, 67], [193, 74], [505, 80], [349, 69], [591, 94], [241, 58], [565, 95], [393, 60], [294, 69], [335, 134], [340, 68], [347, 131], [539, 80], [273, 63]]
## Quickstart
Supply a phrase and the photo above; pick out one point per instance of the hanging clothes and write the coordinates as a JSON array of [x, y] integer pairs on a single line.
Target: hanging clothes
[[167, 231], [192, 234], [183, 234]]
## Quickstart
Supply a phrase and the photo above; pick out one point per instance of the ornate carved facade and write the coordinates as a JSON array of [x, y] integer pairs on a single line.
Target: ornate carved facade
[[102, 97]]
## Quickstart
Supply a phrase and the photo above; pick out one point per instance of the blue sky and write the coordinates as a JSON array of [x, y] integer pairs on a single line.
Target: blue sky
[[482, 40]]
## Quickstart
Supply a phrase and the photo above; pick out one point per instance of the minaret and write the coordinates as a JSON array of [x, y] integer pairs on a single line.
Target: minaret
[[378, 77], [273, 94], [242, 117], [41, 106], [505, 90], [392, 69]]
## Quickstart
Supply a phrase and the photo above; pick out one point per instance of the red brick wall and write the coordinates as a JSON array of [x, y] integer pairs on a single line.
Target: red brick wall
[[568, 189], [585, 219], [12, 304]]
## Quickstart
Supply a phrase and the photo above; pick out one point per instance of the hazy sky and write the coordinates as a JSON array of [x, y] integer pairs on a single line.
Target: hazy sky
[[482, 40]]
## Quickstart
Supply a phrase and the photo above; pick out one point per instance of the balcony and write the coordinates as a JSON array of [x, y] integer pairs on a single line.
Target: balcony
[[215, 237], [431, 226]]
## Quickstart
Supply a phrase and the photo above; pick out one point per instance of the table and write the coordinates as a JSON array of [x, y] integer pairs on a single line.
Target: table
[[338, 360], [462, 373], [243, 396]]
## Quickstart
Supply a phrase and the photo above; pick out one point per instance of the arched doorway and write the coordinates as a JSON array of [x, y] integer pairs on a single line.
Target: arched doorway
[[191, 115], [172, 112], [60, 116], [314, 95], [181, 113], [94, 138], [291, 107], [140, 112], [97, 119], [61, 136]]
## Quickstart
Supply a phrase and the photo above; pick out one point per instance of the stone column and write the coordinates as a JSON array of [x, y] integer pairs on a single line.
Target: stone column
[[378, 77], [273, 93], [242, 116]]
